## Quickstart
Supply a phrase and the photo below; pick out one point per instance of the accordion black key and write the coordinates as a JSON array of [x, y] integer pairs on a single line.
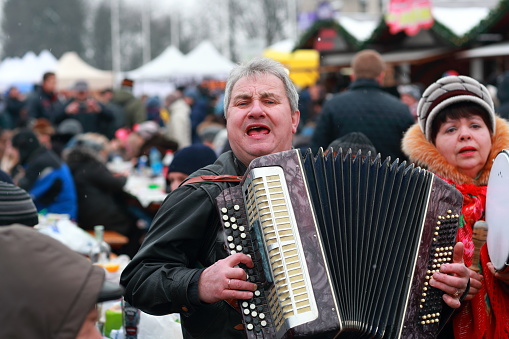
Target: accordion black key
[[343, 246]]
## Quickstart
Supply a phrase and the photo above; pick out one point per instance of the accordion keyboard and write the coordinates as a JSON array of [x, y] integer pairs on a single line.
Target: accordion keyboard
[[255, 312]]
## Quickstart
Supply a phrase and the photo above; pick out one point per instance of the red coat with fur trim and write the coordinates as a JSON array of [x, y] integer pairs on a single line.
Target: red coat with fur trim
[[486, 316]]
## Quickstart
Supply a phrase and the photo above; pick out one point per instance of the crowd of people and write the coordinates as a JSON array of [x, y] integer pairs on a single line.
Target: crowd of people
[[54, 154]]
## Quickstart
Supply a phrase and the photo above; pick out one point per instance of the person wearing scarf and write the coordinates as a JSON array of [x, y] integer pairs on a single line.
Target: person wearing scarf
[[457, 137]]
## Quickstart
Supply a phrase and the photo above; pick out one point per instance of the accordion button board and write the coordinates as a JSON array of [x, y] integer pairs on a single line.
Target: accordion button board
[[238, 239]]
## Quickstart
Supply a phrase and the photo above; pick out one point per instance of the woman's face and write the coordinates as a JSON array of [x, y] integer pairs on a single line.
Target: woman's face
[[465, 143]]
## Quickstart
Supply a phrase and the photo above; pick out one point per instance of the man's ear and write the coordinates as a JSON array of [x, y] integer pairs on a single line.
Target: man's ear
[[295, 121], [380, 78]]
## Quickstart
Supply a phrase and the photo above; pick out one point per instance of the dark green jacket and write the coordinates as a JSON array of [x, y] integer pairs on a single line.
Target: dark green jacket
[[185, 235]]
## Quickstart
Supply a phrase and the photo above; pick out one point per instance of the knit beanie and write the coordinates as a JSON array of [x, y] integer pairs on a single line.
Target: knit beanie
[[451, 90], [192, 158], [16, 206], [355, 141]]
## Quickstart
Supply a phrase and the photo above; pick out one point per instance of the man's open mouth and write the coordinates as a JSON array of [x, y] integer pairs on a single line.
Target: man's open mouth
[[257, 130]]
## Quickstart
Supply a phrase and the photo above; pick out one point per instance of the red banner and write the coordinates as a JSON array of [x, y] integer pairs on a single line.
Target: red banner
[[409, 16]]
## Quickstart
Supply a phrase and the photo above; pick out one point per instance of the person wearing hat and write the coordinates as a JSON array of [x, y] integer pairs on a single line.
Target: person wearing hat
[[188, 160], [410, 95], [88, 111], [48, 291], [134, 109], [457, 137], [356, 142], [16, 206]]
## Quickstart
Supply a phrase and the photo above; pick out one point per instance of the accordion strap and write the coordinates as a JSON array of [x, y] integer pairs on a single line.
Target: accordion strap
[[213, 178]]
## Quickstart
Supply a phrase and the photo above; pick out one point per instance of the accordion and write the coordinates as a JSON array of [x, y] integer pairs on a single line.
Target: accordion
[[343, 246]]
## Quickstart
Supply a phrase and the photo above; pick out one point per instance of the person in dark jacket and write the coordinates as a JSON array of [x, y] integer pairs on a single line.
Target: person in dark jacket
[[44, 101], [100, 193], [42, 174], [134, 109], [48, 291], [15, 108], [165, 275], [88, 111], [365, 107]]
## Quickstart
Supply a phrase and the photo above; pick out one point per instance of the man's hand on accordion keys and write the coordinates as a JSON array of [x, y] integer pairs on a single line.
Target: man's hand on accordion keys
[[223, 280], [453, 278]]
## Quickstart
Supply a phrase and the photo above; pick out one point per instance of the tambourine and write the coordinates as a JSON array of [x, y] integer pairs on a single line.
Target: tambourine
[[497, 212]]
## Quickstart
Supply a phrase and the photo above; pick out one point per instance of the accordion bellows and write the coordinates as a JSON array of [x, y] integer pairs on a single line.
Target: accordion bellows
[[343, 246]]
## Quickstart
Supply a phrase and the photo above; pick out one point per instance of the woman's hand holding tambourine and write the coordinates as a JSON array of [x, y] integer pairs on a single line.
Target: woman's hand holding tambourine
[[502, 276]]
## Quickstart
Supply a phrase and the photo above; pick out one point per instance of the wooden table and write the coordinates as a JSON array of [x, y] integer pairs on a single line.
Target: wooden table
[[112, 238]]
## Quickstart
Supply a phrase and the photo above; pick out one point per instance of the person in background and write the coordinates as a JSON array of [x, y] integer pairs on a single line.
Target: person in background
[[457, 137], [187, 161], [503, 95], [48, 291], [101, 198], [365, 107], [16, 206], [109, 128], [15, 108], [44, 131], [178, 127], [134, 108], [146, 136], [41, 173], [354, 141], [208, 130], [410, 95], [199, 100], [66, 130], [44, 101], [153, 107], [84, 108]]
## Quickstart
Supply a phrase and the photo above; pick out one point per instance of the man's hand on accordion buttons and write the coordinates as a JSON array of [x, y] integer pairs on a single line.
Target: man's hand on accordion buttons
[[453, 278], [224, 280]]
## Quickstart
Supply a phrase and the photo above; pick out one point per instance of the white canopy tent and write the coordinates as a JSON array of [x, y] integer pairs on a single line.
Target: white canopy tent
[[163, 66], [72, 68], [205, 61], [26, 71]]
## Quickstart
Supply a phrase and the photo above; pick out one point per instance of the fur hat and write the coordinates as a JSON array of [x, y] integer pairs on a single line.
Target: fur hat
[[451, 90]]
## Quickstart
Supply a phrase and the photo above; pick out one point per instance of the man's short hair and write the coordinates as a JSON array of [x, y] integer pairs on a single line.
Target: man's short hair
[[260, 66], [47, 75], [368, 64]]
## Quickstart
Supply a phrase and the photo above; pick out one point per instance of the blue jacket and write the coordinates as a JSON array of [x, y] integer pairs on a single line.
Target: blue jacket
[[50, 183]]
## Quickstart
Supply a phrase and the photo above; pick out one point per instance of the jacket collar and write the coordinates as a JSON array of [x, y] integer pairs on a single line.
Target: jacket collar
[[423, 153], [364, 83]]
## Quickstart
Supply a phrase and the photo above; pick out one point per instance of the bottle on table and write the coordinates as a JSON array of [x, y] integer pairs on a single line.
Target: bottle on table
[[155, 162], [100, 252]]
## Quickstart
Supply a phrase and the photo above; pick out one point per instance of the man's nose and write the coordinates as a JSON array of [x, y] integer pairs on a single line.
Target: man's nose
[[256, 110]]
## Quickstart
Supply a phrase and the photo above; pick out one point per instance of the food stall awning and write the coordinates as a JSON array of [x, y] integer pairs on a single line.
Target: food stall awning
[[494, 50], [397, 57]]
